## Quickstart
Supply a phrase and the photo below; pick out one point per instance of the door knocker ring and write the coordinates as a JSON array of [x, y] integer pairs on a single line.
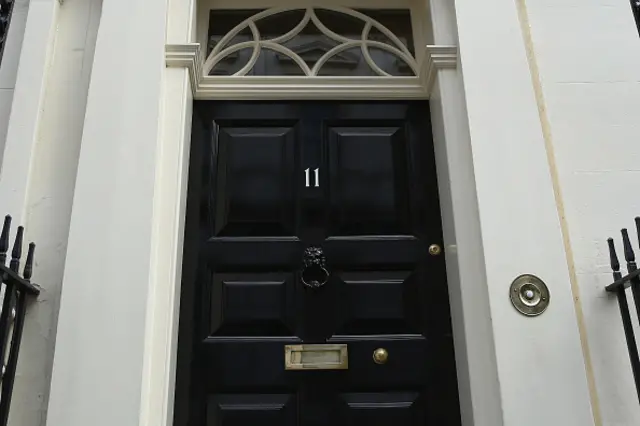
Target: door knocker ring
[[314, 272]]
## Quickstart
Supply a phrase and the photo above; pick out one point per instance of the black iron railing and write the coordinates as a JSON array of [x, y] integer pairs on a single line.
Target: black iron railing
[[635, 6], [15, 290], [6, 10], [619, 287]]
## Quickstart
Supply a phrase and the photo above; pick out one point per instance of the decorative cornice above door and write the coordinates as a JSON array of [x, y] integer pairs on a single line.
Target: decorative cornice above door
[[325, 52]]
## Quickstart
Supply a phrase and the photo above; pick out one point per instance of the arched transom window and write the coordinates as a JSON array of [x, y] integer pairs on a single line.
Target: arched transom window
[[373, 49], [312, 41]]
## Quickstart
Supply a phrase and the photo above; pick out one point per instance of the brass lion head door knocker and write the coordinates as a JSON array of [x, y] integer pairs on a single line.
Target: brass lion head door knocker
[[314, 272]]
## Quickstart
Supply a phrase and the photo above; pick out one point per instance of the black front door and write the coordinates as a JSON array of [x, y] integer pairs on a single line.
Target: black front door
[[310, 223]]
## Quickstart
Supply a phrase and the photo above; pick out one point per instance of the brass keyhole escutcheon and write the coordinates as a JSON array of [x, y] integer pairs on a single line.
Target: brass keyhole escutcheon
[[380, 356], [435, 249]]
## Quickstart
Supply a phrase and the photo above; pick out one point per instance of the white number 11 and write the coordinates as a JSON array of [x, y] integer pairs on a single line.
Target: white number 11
[[308, 177]]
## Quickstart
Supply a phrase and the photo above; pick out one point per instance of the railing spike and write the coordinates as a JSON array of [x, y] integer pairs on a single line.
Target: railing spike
[[28, 266], [615, 263], [16, 253], [629, 255], [4, 239], [619, 286], [13, 307]]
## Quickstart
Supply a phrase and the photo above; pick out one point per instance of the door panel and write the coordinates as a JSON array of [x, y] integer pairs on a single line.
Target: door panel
[[251, 409], [369, 179], [357, 181], [383, 409], [258, 304], [255, 185], [388, 309]]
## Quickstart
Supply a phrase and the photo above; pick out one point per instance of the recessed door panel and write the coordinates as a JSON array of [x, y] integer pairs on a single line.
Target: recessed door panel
[[369, 178], [378, 302], [244, 364], [383, 409], [252, 409], [253, 193], [258, 304]]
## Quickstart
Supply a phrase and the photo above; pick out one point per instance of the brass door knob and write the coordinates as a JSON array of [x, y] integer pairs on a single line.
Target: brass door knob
[[435, 250], [380, 356]]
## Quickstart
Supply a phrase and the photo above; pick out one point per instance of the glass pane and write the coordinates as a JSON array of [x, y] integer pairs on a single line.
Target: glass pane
[[311, 45], [271, 62], [223, 21], [233, 62], [347, 63], [398, 21], [279, 24], [242, 36], [389, 62], [341, 23]]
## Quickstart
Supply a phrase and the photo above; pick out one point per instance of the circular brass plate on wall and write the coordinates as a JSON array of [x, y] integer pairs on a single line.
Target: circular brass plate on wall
[[529, 295]]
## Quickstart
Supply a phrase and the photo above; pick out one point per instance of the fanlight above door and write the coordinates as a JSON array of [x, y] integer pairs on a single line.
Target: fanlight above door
[[320, 52], [326, 41]]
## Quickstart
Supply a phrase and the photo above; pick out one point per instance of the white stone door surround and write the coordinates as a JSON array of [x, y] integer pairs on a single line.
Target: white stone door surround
[[117, 331]]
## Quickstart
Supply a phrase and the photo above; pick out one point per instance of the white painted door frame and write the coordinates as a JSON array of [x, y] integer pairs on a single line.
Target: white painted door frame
[[499, 214]]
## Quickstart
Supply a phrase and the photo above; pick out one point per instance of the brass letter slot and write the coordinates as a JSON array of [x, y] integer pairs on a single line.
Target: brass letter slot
[[316, 357]]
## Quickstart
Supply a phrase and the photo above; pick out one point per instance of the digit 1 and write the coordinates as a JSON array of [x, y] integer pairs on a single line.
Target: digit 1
[[306, 173], [317, 177]]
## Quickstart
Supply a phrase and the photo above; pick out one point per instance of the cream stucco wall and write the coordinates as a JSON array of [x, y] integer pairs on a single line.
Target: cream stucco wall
[[588, 56], [59, 42], [9, 67]]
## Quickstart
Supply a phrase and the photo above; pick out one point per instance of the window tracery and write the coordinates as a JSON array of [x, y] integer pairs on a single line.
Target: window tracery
[[312, 42]]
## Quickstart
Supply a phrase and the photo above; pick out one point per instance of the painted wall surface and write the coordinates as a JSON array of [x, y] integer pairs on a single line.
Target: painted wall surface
[[9, 66], [109, 271], [588, 56], [54, 160]]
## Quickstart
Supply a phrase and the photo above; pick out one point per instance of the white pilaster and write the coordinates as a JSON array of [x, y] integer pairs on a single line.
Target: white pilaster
[[163, 303], [479, 388], [50, 196], [99, 360], [540, 363]]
